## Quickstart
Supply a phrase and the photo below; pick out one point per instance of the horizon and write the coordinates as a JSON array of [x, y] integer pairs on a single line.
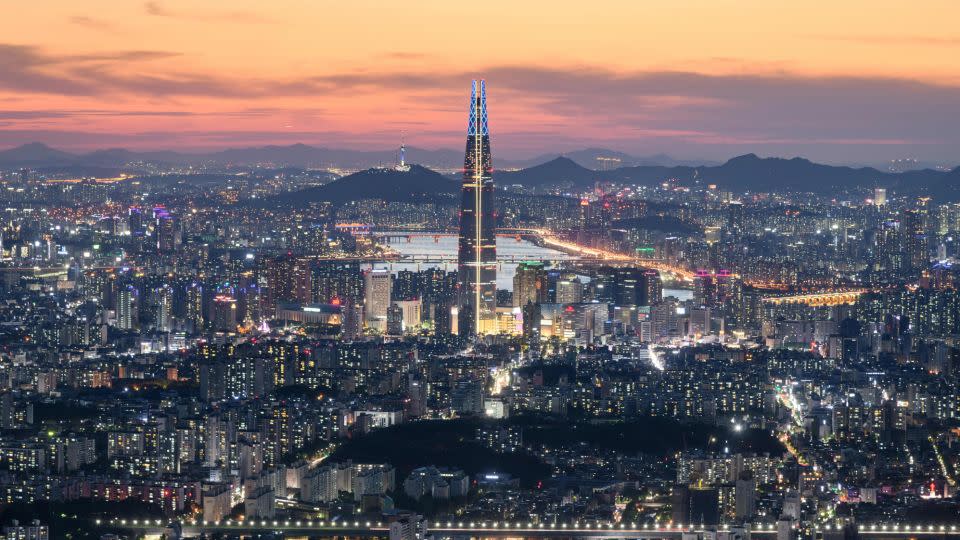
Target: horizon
[[533, 158], [856, 87]]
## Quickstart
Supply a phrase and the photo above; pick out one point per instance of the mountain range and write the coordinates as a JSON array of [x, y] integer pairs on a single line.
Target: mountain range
[[305, 156], [418, 184], [743, 173]]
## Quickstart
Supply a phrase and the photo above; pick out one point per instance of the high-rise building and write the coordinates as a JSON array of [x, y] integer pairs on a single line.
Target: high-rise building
[[166, 231], [477, 253], [879, 196], [654, 287], [289, 279], [128, 317], [915, 248], [569, 289], [337, 281], [164, 317], [377, 285], [529, 284], [224, 313], [194, 306], [395, 320]]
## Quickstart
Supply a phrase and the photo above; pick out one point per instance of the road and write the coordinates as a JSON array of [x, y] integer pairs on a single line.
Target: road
[[507, 530]]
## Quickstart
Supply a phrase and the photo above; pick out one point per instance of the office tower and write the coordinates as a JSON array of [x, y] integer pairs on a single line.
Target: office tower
[[377, 286], [569, 289], [477, 253], [166, 231], [879, 196], [224, 313], [529, 284], [135, 221], [630, 289]]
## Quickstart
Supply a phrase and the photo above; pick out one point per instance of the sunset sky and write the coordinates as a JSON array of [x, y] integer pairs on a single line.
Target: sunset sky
[[838, 81]]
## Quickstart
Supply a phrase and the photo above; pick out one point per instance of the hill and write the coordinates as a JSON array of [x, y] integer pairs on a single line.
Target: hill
[[593, 158], [34, 154], [417, 184], [559, 172]]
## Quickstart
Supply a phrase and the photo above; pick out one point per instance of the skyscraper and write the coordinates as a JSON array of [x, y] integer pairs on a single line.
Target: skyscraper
[[529, 284], [377, 285], [477, 254]]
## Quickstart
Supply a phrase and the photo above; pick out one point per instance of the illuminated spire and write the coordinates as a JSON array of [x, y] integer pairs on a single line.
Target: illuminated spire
[[478, 105], [477, 253]]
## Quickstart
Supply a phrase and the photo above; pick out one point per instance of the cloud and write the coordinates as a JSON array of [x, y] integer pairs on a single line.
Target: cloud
[[773, 109], [159, 10], [92, 23], [404, 55]]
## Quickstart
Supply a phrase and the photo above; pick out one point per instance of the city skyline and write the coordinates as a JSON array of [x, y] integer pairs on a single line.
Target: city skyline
[[688, 79], [262, 274]]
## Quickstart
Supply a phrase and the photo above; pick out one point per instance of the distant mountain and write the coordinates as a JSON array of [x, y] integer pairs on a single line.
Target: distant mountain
[[34, 154], [574, 170], [752, 173], [604, 159], [296, 155], [558, 172], [743, 173], [306, 156], [417, 184]]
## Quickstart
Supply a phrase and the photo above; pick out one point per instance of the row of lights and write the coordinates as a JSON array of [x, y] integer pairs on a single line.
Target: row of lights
[[506, 524]]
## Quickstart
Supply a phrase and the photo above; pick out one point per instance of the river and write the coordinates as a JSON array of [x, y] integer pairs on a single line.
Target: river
[[509, 248]]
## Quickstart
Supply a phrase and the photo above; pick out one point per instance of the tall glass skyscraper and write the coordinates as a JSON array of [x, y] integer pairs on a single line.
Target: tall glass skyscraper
[[477, 254]]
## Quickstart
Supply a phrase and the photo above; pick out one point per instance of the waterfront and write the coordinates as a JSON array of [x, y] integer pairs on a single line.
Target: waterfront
[[508, 249]]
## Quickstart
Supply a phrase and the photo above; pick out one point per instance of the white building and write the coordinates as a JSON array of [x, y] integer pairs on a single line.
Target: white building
[[408, 527], [320, 485]]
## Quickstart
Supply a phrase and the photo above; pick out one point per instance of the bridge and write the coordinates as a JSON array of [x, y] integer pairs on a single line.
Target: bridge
[[821, 299], [498, 529]]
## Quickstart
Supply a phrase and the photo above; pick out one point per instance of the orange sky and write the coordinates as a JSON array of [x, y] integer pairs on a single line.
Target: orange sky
[[688, 77]]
